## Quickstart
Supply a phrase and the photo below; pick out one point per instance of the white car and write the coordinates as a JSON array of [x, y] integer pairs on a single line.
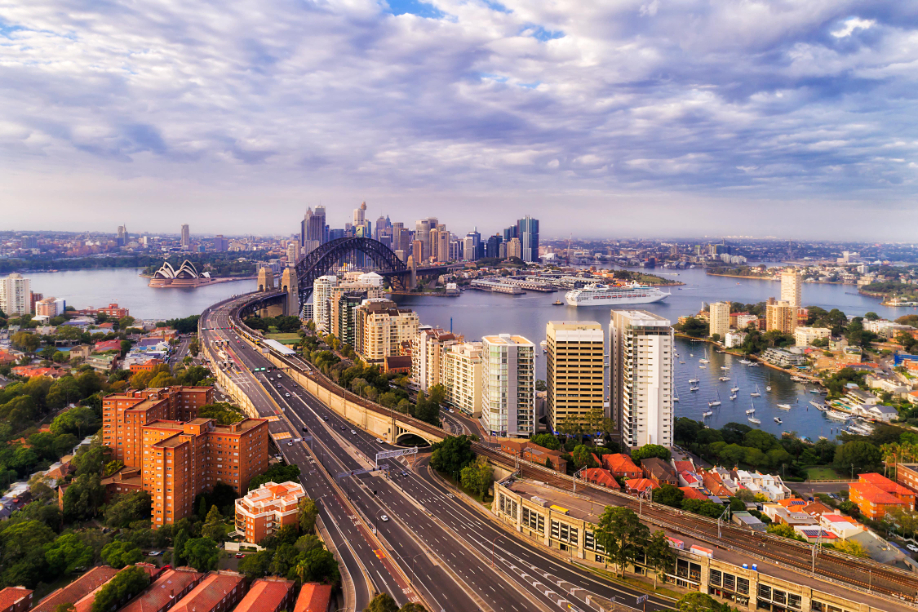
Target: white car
[[287, 394], [353, 432], [912, 547], [379, 440], [384, 518]]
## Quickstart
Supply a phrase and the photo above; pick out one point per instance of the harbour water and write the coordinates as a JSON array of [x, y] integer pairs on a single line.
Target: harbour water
[[475, 314]]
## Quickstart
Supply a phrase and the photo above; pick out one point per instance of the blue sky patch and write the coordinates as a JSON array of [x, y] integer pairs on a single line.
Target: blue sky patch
[[415, 7], [540, 33]]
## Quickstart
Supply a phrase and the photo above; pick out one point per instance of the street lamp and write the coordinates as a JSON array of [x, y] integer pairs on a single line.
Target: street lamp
[[412, 566], [493, 545]]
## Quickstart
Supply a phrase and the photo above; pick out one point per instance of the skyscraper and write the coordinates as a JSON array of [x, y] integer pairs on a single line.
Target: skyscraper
[[780, 316], [642, 377], [790, 287], [304, 227], [443, 245], [122, 235], [528, 232], [434, 241], [574, 372], [468, 249], [220, 243], [720, 319], [321, 292], [360, 214], [186, 237], [15, 295], [514, 248], [508, 385], [422, 229]]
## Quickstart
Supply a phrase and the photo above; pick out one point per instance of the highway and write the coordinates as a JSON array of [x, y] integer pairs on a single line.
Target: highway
[[458, 539]]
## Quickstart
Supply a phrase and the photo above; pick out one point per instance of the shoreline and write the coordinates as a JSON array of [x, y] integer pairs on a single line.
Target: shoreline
[[810, 378]]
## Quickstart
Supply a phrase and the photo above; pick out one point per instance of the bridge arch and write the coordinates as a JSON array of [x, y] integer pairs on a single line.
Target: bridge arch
[[322, 260], [401, 433]]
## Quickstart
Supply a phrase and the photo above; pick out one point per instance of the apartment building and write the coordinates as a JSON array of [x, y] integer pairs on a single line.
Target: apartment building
[[217, 592], [463, 377], [780, 316], [166, 591], [381, 327], [642, 377], [321, 291], [268, 508], [428, 356], [790, 287], [15, 599], [182, 459], [508, 385], [15, 295], [124, 414], [574, 371], [719, 319], [270, 594], [876, 495], [343, 300], [804, 336]]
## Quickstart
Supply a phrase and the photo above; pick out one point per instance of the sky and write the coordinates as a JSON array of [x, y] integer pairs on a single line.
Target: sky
[[790, 118]]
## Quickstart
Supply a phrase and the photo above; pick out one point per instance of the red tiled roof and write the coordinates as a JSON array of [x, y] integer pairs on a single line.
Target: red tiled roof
[[689, 477], [77, 589], [169, 584], [10, 595], [874, 494], [640, 484], [881, 482], [601, 477], [684, 466], [313, 598], [692, 493], [85, 603], [620, 464], [208, 594], [266, 595]]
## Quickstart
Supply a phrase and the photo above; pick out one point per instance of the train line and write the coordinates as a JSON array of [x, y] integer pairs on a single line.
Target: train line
[[865, 575]]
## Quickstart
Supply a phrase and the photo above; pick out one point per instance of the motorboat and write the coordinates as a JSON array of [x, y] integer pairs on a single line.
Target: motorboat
[[784, 406], [733, 396], [680, 361], [692, 381], [724, 367], [693, 388], [756, 393], [819, 406], [750, 411], [778, 420], [745, 361], [837, 415], [814, 390], [734, 389], [768, 388], [715, 402], [753, 365], [557, 303], [724, 379], [703, 367]]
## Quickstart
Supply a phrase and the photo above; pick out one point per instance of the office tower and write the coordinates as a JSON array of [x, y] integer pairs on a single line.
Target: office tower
[[515, 248], [428, 356], [417, 248], [186, 236], [220, 243], [174, 454], [720, 319], [790, 287], [360, 214], [400, 237], [528, 233], [304, 226], [455, 248], [502, 249], [780, 316], [381, 327], [422, 229], [321, 291], [443, 245], [468, 249], [293, 251], [574, 373], [334, 234], [16, 295], [508, 385], [122, 235], [642, 377], [476, 244], [511, 232], [463, 377], [434, 238], [492, 248]]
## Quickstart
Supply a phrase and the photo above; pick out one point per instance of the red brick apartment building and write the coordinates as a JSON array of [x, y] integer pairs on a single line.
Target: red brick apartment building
[[15, 599], [174, 455], [217, 592], [167, 590], [314, 598], [268, 595], [267, 509], [78, 589]]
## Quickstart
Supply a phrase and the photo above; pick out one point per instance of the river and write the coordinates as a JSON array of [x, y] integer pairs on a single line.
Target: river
[[475, 314]]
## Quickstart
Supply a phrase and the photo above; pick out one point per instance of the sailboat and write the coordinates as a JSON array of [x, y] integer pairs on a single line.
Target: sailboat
[[705, 358], [745, 361], [716, 402], [750, 411], [693, 388], [733, 396], [778, 420], [675, 398], [756, 393], [724, 379], [751, 418], [703, 367], [692, 381], [734, 389], [784, 406], [706, 414]]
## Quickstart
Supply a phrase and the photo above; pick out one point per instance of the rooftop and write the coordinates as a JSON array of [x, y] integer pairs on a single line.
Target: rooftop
[[507, 340], [77, 589], [265, 594], [313, 598], [210, 591]]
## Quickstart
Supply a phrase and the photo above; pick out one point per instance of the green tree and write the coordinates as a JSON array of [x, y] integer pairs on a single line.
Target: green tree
[[256, 565], [651, 450], [26, 341], [583, 456], [120, 554], [382, 603], [308, 513], [669, 495], [214, 528], [83, 497], [120, 589], [202, 554], [67, 553], [863, 456], [178, 556], [79, 420], [223, 412], [546, 440], [622, 535], [23, 546], [317, 565], [785, 531], [659, 555], [452, 454]]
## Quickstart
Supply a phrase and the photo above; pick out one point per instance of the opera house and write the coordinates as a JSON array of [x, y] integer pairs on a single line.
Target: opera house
[[185, 277]]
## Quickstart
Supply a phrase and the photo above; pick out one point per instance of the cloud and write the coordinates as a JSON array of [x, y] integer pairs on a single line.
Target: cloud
[[522, 103]]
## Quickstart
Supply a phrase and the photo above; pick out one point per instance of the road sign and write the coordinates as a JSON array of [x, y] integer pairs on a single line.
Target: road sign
[[396, 453], [641, 599]]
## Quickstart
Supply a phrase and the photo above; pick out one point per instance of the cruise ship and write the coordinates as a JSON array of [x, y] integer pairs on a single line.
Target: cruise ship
[[605, 295]]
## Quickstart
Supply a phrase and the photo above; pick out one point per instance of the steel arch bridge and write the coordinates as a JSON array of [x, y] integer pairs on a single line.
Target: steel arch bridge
[[320, 261]]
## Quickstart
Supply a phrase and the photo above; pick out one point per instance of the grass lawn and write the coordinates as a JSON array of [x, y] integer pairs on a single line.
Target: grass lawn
[[284, 338], [822, 472]]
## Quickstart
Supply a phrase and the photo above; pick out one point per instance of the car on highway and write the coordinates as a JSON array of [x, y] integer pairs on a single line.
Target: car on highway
[[279, 386], [353, 432], [324, 418], [342, 427], [305, 430], [380, 440], [384, 518], [451, 410], [286, 395], [912, 547], [289, 443]]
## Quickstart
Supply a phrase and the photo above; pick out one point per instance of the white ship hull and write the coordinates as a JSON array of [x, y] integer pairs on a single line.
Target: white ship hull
[[611, 296]]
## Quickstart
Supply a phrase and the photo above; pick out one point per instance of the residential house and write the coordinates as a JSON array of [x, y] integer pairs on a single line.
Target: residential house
[[694, 493], [621, 466], [76, 590], [217, 592], [601, 477], [659, 471], [268, 595], [167, 590], [639, 486], [15, 599], [771, 486], [314, 598], [842, 526], [84, 604]]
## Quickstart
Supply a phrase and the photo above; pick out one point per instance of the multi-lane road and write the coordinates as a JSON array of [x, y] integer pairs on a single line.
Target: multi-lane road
[[444, 547]]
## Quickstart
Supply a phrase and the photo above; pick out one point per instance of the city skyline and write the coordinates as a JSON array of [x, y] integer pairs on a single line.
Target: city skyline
[[793, 115]]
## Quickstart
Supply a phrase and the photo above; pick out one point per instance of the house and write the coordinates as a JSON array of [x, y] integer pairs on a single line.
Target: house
[[601, 477], [745, 519], [817, 509], [639, 486], [621, 466], [397, 364], [659, 471], [15, 599], [268, 595], [528, 451], [314, 598], [781, 514], [693, 493], [76, 590], [768, 485], [842, 526], [167, 590], [719, 482], [107, 345], [813, 534], [84, 604], [217, 592]]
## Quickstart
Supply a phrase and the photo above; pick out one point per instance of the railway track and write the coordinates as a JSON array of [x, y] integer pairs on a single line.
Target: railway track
[[862, 574]]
